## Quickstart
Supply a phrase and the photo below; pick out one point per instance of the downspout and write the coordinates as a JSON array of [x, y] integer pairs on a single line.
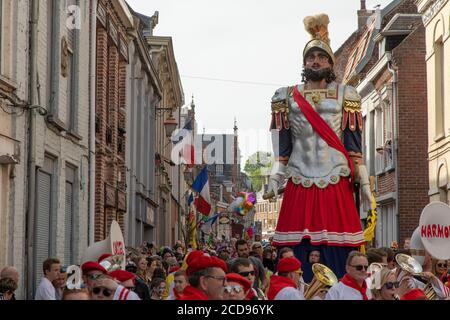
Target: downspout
[[93, 64], [30, 211], [394, 73]]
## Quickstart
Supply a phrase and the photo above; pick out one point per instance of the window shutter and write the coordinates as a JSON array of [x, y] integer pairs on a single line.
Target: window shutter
[[68, 225], [42, 225]]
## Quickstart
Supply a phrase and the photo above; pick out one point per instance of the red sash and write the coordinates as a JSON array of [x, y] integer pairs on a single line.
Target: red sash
[[322, 128], [350, 282]]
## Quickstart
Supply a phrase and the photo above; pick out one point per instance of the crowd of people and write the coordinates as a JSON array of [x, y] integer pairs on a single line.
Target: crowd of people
[[236, 270]]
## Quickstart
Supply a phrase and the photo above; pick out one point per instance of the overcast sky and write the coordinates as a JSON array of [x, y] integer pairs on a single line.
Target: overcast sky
[[255, 45]]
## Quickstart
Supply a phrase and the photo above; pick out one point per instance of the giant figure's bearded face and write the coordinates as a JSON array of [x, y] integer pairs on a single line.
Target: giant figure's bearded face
[[318, 66]]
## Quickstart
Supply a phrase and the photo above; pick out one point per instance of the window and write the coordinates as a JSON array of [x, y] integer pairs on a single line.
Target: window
[[379, 140], [388, 123], [371, 146], [219, 169], [439, 87], [387, 225], [71, 67], [70, 92], [70, 220]]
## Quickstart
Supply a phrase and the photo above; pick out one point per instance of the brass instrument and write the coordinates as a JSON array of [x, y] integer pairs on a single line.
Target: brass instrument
[[112, 263], [414, 268], [323, 278]]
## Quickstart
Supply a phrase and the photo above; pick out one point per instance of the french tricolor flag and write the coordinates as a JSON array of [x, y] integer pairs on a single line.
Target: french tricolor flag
[[201, 185]]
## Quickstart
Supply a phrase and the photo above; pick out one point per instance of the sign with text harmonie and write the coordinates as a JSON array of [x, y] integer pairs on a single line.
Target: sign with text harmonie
[[434, 229]]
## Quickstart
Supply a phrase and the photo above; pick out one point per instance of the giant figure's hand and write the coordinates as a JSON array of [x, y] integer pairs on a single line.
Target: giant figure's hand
[[277, 176], [365, 187]]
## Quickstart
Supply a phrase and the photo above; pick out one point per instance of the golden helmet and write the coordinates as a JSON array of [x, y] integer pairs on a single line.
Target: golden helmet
[[317, 27]]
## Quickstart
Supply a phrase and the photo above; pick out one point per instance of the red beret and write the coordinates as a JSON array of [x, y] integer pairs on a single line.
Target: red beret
[[103, 257], [244, 282], [414, 294], [193, 255], [289, 264], [204, 262], [174, 269], [91, 266], [122, 275]]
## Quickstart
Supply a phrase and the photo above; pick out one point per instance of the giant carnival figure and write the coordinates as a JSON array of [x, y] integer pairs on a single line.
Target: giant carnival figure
[[316, 135]]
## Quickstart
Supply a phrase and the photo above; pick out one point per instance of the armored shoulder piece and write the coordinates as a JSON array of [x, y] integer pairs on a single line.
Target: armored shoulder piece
[[280, 109], [352, 117]]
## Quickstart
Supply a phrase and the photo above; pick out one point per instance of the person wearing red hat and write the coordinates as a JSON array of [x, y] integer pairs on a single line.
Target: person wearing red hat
[[91, 271], [237, 287], [206, 278], [414, 294], [353, 285], [102, 286], [125, 278], [171, 293], [284, 285]]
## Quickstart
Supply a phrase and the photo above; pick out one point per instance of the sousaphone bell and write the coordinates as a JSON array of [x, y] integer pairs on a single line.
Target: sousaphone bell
[[323, 279]]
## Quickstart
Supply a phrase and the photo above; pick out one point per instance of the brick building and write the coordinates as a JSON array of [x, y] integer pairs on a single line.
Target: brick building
[[113, 20], [386, 65]]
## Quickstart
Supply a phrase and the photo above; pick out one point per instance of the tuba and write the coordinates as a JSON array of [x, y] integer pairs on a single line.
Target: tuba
[[414, 268], [323, 279], [113, 263], [114, 244]]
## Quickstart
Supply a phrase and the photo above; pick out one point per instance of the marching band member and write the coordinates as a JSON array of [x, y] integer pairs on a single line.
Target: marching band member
[[101, 286], [353, 285], [284, 285], [384, 285]]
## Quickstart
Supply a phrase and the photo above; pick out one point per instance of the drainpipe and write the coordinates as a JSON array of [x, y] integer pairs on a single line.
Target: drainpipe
[[93, 64], [30, 210], [394, 72]]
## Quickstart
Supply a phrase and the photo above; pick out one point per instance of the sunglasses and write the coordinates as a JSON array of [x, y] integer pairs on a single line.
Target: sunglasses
[[132, 288], [229, 289], [391, 285], [94, 276], [104, 291], [247, 273], [442, 265], [360, 267]]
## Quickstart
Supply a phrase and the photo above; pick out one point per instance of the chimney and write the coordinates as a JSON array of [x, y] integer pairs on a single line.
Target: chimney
[[363, 15]]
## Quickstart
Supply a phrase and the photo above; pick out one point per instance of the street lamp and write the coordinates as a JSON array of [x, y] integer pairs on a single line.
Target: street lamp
[[170, 124]]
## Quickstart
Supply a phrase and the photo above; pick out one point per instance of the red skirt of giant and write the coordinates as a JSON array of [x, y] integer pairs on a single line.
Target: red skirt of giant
[[325, 216]]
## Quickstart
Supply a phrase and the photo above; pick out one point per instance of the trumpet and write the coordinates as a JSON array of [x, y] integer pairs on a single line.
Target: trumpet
[[323, 279], [413, 267]]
